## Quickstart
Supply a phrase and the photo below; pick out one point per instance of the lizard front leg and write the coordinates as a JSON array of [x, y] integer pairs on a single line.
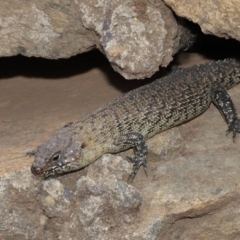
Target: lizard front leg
[[225, 105], [138, 143]]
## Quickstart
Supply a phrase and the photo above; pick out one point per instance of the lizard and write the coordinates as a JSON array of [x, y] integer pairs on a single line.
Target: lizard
[[128, 121]]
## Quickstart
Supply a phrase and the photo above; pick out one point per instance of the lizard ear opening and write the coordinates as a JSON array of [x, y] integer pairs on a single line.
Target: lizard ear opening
[[83, 145]]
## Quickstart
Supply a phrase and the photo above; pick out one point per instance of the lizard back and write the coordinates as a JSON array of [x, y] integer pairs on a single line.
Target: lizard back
[[165, 103], [130, 119]]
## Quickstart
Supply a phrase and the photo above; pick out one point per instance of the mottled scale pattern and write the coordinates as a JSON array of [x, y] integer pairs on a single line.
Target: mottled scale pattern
[[165, 103]]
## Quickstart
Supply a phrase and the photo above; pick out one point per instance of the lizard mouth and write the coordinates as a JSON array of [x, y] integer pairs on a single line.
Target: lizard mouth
[[47, 170]]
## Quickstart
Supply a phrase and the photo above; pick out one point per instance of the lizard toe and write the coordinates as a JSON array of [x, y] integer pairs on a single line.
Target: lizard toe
[[234, 127]]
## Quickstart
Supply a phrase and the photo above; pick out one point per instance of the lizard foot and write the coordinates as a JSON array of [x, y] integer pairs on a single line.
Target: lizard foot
[[234, 127], [137, 163], [137, 142]]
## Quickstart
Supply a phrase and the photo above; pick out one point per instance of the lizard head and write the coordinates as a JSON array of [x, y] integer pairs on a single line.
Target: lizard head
[[58, 155]]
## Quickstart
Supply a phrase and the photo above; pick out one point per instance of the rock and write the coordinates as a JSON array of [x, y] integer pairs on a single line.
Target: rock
[[21, 217], [49, 29], [220, 18], [55, 199], [99, 201], [191, 192], [180, 193], [136, 36], [135, 31], [166, 144]]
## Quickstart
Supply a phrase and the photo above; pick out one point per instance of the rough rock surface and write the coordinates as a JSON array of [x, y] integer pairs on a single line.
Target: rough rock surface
[[190, 195], [198, 188], [49, 29], [136, 36], [191, 192], [220, 18]]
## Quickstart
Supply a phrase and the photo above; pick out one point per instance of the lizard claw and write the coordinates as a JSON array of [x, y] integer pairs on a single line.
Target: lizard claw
[[234, 128], [132, 175], [130, 159], [145, 170], [137, 163]]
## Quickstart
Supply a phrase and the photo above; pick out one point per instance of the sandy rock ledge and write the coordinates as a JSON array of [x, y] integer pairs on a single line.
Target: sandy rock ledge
[[192, 192]]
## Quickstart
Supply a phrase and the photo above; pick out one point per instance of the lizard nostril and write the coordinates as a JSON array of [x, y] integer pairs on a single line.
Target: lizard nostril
[[35, 171]]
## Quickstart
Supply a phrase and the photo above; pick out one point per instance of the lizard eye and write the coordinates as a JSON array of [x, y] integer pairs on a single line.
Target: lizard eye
[[55, 157]]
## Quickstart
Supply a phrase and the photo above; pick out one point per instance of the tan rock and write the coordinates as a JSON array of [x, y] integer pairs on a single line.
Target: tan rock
[[216, 17], [193, 194], [49, 29], [167, 144], [136, 36]]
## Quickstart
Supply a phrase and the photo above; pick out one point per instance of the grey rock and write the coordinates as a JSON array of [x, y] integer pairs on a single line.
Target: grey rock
[[54, 198]]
